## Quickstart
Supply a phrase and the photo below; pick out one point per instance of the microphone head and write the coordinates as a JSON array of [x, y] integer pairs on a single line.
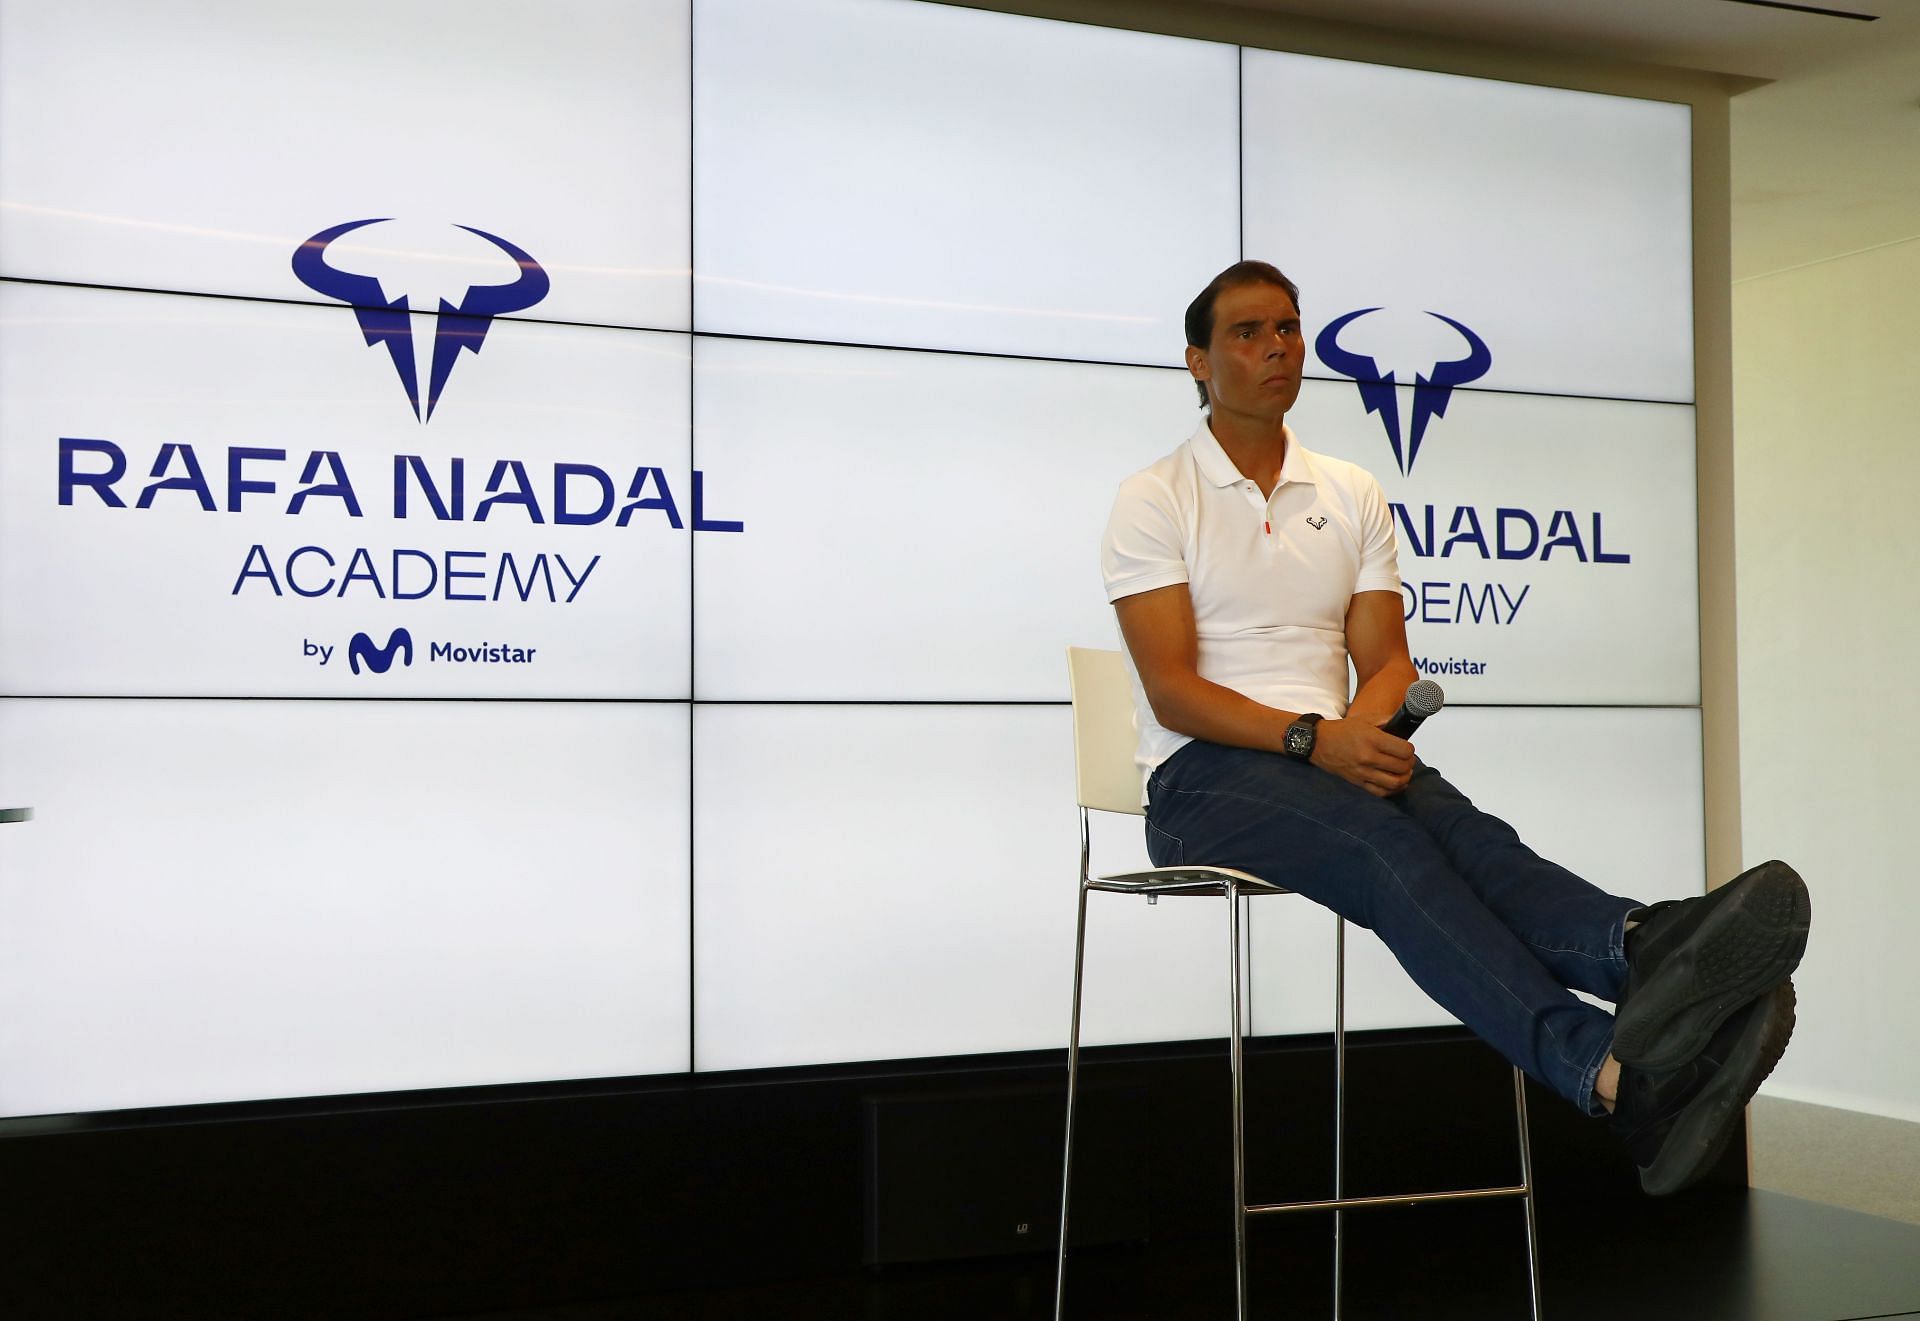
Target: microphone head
[[1424, 698]]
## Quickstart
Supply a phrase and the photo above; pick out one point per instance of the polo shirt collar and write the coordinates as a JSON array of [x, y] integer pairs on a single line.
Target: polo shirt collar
[[1218, 469]]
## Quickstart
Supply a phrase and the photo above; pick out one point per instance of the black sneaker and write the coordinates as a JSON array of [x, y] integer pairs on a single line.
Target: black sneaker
[[1676, 1124], [1692, 962]]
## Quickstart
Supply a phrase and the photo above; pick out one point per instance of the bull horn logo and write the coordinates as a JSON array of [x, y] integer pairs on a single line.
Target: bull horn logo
[[1431, 391], [389, 321]]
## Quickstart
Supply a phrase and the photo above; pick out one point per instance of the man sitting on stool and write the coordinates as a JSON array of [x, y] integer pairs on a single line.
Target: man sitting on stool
[[1246, 571]]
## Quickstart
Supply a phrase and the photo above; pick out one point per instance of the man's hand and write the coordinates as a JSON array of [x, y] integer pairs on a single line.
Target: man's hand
[[1363, 754]]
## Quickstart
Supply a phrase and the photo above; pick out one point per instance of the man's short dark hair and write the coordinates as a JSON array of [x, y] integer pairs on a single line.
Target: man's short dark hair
[[1200, 310]]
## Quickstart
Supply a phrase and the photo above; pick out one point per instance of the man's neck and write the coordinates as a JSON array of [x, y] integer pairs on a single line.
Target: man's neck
[[1257, 445]]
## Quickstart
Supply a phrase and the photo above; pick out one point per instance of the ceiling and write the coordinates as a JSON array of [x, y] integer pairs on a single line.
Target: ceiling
[[1826, 138]]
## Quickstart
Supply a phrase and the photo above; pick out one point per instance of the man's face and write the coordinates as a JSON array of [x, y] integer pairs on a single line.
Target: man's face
[[1252, 366]]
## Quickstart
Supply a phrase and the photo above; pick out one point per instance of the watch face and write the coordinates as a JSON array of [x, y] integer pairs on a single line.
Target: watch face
[[1299, 740]]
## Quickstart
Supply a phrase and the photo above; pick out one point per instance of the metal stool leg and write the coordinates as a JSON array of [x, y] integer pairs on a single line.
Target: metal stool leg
[[1073, 1081], [1339, 1094], [1239, 1113], [1526, 1198]]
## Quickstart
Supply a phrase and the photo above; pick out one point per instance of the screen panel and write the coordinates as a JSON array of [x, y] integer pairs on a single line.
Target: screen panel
[[876, 172], [221, 901], [1548, 547], [342, 535], [1614, 796], [879, 887], [923, 526], [170, 147], [875, 882], [1554, 225]]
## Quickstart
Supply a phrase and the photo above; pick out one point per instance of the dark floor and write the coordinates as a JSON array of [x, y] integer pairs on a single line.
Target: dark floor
[[1703, 1257]]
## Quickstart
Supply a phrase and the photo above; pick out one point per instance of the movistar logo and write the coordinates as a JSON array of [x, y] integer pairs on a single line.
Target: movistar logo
[[389, 322], [380, 659], [1431, 391]]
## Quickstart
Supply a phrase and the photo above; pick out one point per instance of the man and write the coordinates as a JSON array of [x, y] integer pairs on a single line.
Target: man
[[1246, 573]]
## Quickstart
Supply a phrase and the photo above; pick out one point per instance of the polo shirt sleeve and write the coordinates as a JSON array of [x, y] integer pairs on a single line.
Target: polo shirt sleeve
[[1379, 549], [1144, 547]]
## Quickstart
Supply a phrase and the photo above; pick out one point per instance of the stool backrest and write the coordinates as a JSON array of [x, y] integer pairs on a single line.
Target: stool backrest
[[1105, 774]]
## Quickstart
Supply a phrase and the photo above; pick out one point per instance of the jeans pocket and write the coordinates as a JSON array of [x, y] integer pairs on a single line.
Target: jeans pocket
[[1163, 849]]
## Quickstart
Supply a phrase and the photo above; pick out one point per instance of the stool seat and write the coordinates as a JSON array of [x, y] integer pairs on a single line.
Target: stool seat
[[1184, 880]]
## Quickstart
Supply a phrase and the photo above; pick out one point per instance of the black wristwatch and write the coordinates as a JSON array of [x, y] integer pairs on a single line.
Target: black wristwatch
[[1300, 736]]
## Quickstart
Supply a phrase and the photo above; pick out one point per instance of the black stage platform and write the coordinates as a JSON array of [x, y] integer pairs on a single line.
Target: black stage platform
[[762, 1196], [1714, 1256]]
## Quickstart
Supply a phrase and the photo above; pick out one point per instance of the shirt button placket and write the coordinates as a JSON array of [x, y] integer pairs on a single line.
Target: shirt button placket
[[1266, 513]]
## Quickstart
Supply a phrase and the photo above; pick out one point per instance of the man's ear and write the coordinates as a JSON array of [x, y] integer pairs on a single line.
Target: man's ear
[[1197, 364]]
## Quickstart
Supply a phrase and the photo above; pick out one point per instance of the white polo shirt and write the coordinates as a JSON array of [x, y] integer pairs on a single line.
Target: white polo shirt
[[1271, 579]]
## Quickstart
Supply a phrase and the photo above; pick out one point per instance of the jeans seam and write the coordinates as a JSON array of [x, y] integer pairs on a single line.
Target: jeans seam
[[1564, 949], [1590, 1079], [1228, 793], [1179, 844]]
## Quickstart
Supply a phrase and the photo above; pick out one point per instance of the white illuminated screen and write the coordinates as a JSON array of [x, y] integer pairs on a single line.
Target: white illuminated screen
[[979, 527], [1547, 545], [261, 594], [1029, 187], [154, 147], [947, 822], [1556, 224], [902, 283], [221, 900]]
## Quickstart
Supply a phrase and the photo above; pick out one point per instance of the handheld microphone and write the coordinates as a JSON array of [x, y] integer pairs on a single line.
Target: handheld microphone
[[1423, 699]]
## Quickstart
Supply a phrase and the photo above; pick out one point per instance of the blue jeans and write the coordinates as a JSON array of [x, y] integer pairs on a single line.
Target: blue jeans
[[1492, 931]]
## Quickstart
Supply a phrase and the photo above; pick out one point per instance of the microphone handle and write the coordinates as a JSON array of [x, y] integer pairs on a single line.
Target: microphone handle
[[1404, 722]]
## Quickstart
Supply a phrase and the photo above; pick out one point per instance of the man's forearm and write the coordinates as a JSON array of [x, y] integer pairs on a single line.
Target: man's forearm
[[1206, 710], [1380, 696], [1202, 709]]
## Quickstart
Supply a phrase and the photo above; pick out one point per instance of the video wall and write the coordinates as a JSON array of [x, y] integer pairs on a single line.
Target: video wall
[[537, 542]]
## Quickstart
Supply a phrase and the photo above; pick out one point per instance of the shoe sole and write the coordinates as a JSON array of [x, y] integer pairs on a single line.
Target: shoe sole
[[1701, 1131], [1749, 945]]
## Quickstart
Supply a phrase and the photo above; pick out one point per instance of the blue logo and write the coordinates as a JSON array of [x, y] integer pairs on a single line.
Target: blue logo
[[1431, 391], [380, 659], [389, 321]]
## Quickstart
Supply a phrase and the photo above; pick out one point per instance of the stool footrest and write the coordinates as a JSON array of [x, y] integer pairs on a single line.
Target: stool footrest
[[1402, 1199]]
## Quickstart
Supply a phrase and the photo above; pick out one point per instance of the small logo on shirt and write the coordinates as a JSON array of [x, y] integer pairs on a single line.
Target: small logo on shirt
[[1317, 523]]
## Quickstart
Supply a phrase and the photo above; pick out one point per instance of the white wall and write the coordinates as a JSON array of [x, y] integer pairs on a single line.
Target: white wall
[[1826, 468]]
